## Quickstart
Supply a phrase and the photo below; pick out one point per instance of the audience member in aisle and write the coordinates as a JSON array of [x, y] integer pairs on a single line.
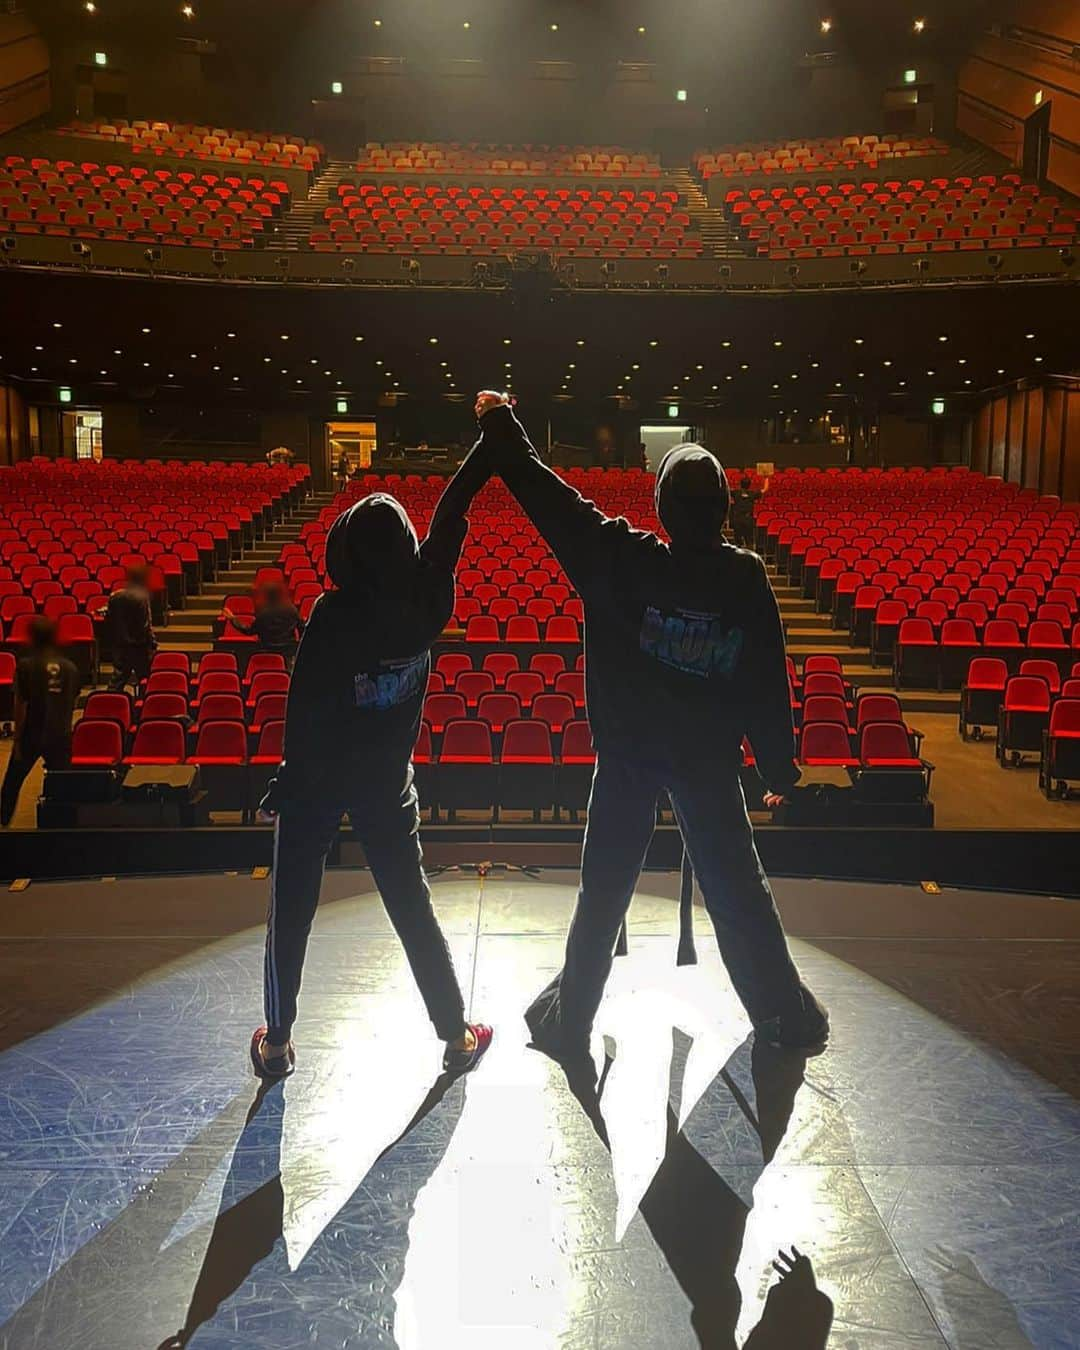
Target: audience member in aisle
[[46, 687], [130, 630]]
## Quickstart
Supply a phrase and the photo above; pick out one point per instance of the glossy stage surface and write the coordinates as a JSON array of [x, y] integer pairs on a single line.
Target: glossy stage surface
[[151, 1197]]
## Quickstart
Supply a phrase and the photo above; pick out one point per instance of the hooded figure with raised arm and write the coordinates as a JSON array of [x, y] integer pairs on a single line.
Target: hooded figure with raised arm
[[354, 711], [684, 657]]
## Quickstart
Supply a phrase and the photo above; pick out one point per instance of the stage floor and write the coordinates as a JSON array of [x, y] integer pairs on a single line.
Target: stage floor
[[928, 1165]]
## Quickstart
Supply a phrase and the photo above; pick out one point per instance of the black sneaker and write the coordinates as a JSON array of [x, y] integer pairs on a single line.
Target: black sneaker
[[806, 1031]]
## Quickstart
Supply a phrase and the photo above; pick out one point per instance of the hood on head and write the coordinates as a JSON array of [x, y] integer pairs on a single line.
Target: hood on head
[[692, 496], [371, 544]]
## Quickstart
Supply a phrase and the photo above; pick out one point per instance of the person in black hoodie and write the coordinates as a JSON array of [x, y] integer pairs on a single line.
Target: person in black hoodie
[[684, 657], [354, 710]]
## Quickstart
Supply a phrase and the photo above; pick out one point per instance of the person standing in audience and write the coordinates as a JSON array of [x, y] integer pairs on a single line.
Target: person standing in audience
[[276, 623], [46, 687], [342, 471], [684, 657], [131, 630], [354, 711], [742, 512]]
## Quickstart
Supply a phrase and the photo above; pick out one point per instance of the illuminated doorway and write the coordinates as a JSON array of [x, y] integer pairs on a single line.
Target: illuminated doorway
[[354, 440], [85, 430]]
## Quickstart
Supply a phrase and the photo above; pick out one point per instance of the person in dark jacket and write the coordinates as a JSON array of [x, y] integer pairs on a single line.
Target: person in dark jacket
[[354, 710], [46, 687], [742, 512], [131, 631], [684, 657], [276, 623]]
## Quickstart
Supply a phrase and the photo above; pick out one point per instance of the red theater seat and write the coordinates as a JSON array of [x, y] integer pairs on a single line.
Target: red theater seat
[[97, 744]]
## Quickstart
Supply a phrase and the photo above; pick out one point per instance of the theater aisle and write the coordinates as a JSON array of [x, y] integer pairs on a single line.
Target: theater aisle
[[926, 1165]]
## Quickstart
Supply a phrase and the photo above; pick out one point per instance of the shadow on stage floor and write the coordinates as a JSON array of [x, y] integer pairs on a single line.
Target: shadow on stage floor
[[915, 1186]]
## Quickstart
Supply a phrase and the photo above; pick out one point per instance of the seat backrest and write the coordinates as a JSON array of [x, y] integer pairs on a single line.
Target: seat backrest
[[451, 664], [472, 685], [260, 663], [171, 661], [161, 742], [218, 682], [825, 708], [164, 705], [522, 628], [99, 741], [822, 662], [1044, 670], [1071, 689], [439, 709], [1045, 634], [526, 742], [1027, 693], [501, 665], [109, 708], [167, 682], [1001, 633], [884, 741], [549, 665], [577, 744], [824, 741], [272, 739], [218, 661], [554, 709], [498, 709], [916, 632], [466, 742], [268, 682], [958, 633], [221, 708], [269, 708], [223, 740], [878, 708], [986, 672], [562, 628], [525, 684], [824, 682]]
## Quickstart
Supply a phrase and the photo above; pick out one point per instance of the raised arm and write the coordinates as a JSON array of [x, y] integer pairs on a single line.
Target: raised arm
[[769, 723], [449, 526], [584, 540]]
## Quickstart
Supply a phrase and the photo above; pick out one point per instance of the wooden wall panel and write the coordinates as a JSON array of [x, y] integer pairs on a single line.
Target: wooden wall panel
[[998, 418], [1033, 438], [1014, 436], [1050, 476], [980, 440], [998, 84], [1070, 453]]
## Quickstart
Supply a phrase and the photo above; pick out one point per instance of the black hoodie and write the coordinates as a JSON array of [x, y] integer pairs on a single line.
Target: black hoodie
[[684, 642], [362, 668]]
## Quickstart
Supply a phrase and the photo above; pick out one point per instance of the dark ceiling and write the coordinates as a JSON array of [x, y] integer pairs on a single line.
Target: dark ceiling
[[272, 347]]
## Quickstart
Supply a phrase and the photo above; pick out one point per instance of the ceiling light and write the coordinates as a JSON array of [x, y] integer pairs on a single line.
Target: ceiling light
[[377, 23], [886, 363], [654, 343], [826, 25], [146, 330], [744, 366], [230, 335], [434, 341], [554, 27], [641, 29], [814, 365], [117, 352], [466, 24], [778, 343], [919, 25], [1038, 358], [187, 11], [859, 342], [90, 7], [284, 337]]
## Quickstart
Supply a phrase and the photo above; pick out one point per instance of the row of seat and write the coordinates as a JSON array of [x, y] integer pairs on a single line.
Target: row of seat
[[829, 219], [472, 215], [424, 157], [84, 201], [187, 140], [803, 155]]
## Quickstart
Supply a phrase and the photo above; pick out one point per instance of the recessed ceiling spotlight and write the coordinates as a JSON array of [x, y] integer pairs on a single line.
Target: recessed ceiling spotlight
[[826, 25], [919, 25]]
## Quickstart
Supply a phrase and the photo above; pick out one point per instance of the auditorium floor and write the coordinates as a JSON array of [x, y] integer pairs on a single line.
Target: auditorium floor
[[926, 1165], [970, 789]]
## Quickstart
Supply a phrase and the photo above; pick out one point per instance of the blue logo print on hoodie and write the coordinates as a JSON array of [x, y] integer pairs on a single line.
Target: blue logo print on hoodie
[[697, 644]]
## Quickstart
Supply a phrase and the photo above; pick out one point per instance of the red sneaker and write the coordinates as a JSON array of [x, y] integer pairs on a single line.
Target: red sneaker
[[464, 1061], [278, 1067]]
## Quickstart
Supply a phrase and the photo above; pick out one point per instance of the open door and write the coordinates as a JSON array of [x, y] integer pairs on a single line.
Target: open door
[[1037, 143], [353, 440]]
